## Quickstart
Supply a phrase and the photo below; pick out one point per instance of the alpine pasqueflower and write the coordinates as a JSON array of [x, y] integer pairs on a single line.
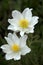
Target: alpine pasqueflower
[[15, 47], [23, 22]]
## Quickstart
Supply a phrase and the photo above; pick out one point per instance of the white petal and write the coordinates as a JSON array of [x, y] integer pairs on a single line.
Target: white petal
[[22, 33], [27, 13], [34, 20], [17, 56], [13, 28], [17, 15], [23, 41], [13, 21], [6, 48], [9, 56], [15, 38], [9, 40], [25, 50], [30, 30], [10, 35], [12, 39]]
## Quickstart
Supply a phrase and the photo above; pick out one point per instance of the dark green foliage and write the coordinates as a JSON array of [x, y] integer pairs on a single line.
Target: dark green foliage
[[35, 40]]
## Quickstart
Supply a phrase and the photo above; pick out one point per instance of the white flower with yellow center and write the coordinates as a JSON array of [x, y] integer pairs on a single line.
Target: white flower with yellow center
[[15, 47], [23, 22]]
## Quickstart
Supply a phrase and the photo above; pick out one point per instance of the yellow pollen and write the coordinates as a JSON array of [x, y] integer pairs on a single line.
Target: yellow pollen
[[15, 47], [23, 23]]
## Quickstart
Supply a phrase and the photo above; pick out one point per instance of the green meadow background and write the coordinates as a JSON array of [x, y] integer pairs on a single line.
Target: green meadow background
[[35, 40]]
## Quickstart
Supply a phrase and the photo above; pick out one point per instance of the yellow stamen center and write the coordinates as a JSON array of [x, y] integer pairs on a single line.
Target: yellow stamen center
[[15, 47], [23, 23]]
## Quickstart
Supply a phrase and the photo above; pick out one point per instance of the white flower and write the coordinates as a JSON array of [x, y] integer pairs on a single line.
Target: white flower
[[15, 47], [23, 22]]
